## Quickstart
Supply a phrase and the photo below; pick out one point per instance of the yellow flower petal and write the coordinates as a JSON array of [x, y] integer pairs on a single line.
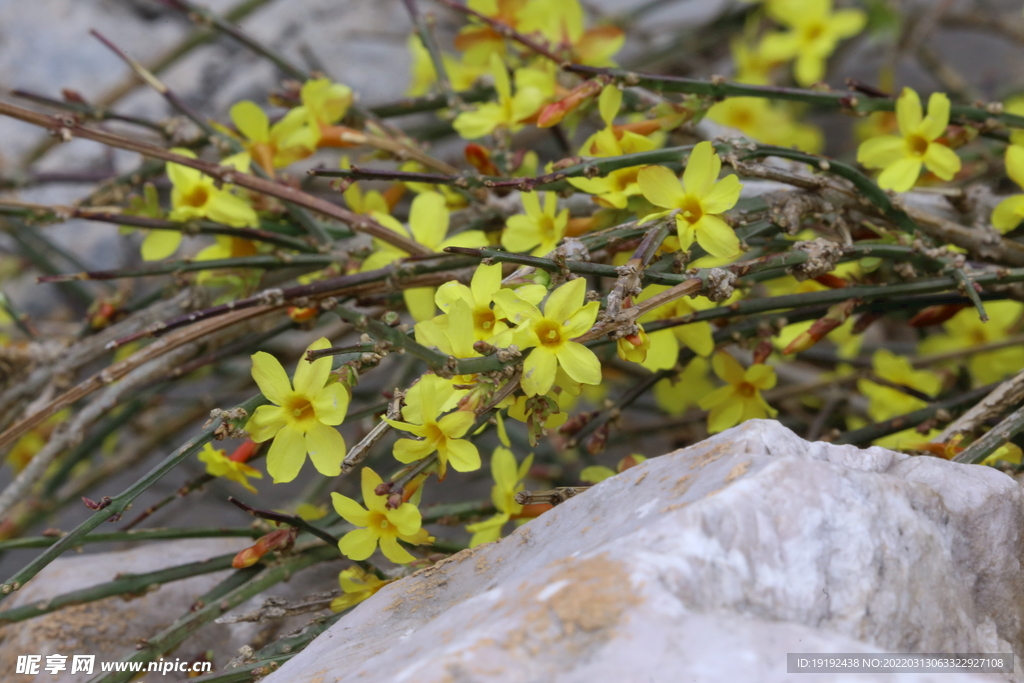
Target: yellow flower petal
[[359, 544], [251, 121], [908, 112], [716, 237], [463, 455], [265, 423], [351, 511], [539, 372], [942, 161], [579, 362], [702, 169], [393, 551], [270, 377], [934, 125], [901, 175], [287, 454], [326, 448], [310, 378], [660, 187]]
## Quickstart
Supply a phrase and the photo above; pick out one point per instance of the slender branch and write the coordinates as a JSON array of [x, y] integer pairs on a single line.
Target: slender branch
[[134, 535], [424, 29], [67, 127], [290, 520], [120, 503], [124, 584], [866, 435], [993, 439]]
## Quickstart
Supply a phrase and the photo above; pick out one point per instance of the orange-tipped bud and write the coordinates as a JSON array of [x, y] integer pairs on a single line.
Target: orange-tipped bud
[[831, 281], [275, 540], [835, 317], [479, 158], [532, 510], [762, 351], [553, 113], [301, 315], [645, 127], [580, 225], [393, 194], [340, 136], [245, 451], [936, 315]]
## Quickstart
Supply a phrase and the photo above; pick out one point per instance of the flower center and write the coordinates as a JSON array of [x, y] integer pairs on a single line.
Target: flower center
[[813, 31], [433, 434], [917, 145], [300, 408], [197, 197], [549, 332], [691, 209], [379, 520], [483, 319], [746, 389]]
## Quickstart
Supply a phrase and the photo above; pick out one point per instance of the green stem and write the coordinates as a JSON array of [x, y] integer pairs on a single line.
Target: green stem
[[135, 535], [865, 435], [192, 621], [130, 584], [120, 503], [994, 439], [265, 261]]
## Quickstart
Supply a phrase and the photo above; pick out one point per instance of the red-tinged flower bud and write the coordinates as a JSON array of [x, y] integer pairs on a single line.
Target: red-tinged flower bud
[[275, 540], [301, 315], [532, 510], [70, 95], [480, 158], [393, 194], [597, 441], [628, 462], [575, 423], [835, 317], [244, 452], [553, 113], [93, 505], [864, 321], [831, 281], [936, 315], [384, 488], [762, 351]]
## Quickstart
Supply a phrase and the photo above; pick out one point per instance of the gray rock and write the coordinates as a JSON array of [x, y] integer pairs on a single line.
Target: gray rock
[[111, 628], [710, 564]]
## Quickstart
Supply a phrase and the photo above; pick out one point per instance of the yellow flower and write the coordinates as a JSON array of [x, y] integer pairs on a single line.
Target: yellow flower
[[488, 322], [595, 474], [363, 202], [696, 336], [303, 418], [324, 103], [561, 23], [767, 122], [1009, 212], [675, 394], [1009, 452], [566, 315], [508, 480], [901, 156], [461, 74], [193, 196], [508, 113], [965, 330], [539, 230], [740, 399], [887, 402], [218, 464], [266, 143], [378, 524], [357, 585], [614, 189], [27, 446], [428, 225], [699, 200], [442, 434], [814, 31]]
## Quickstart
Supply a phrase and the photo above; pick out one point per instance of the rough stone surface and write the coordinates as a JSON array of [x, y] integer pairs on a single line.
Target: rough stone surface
[[110, 628], [710, 564]]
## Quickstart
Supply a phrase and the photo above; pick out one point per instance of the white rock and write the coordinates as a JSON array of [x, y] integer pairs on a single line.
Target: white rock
[[710, 564]]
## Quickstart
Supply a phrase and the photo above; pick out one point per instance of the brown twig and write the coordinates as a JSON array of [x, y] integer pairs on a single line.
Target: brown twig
[[67, 128]]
